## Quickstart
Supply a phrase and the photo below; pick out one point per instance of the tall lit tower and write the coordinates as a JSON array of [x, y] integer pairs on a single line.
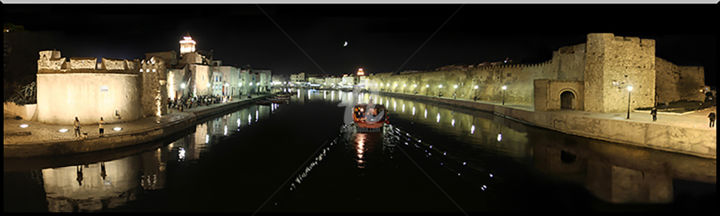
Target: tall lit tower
[[187, 45]]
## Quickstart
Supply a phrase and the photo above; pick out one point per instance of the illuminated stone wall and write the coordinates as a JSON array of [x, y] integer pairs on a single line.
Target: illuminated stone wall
[[606, 64], [666, 81], [675, 83], [50, 60], [201, 79], [114, 64], [547, 94], [83, 63], [89, 96], [517, 78], [692, 79], [154, 92], [613, 63]]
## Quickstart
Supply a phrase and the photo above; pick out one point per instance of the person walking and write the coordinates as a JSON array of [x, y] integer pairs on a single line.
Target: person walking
[[653, 112], [711, 116], [100, 127], [76, 126]]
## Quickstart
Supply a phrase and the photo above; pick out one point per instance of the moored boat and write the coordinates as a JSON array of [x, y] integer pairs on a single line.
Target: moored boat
[[372, 116]]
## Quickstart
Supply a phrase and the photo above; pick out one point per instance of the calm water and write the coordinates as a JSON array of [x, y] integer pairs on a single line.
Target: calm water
[[300, 157]]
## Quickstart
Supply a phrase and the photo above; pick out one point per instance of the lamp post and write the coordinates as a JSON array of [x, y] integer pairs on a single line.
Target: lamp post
[[440, 90], [629, 88], [503, 94]]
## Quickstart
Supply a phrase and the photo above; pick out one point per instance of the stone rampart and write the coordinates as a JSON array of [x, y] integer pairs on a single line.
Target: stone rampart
[[89, 96], [87, 63], [154, 92], [461, 81], [691, 81], [676, 83], [692, 141], [611, 64]]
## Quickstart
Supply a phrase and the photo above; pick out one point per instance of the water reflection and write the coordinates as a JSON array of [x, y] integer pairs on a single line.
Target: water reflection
[[612, 172], [464, 144], [109, 184]]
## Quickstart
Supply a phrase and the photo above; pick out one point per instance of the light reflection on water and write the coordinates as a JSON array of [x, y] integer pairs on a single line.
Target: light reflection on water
[[468, 141]]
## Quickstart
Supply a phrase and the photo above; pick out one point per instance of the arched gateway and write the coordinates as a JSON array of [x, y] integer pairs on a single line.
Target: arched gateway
[[567, 100]]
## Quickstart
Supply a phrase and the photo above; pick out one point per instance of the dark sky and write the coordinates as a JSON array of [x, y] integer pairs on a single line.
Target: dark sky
[[381, 37]]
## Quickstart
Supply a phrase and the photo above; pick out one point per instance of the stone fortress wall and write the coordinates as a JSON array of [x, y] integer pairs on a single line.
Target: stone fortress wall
[[566, 62], [85, 88], [596, 72], [674, 83]]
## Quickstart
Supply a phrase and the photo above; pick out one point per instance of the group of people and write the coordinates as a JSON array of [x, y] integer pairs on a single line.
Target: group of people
[[190, 102], [78, 134]]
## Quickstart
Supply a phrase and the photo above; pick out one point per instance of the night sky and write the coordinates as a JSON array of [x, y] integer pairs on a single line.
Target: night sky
[[381, 37]]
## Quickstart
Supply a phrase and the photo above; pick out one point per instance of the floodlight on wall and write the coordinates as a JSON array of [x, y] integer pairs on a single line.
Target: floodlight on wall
[[440, 86], [182, 86], [141, 70], [24, 125], [476, 87], [427, 85], [117, 128], [63, 130], [504, 87], [455, 86], [154, 70]]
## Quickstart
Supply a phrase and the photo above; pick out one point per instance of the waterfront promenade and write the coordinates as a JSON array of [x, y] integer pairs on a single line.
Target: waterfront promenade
[[39, 139], [686, 133]]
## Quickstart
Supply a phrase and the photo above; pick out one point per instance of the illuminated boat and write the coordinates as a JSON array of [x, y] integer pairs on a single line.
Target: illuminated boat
[[370, 117]]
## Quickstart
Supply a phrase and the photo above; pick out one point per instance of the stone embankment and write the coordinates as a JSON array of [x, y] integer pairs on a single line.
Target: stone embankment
[[138, 132], [688, 134]]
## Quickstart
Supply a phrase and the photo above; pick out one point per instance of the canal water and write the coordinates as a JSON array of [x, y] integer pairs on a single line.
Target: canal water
[[303, 156]]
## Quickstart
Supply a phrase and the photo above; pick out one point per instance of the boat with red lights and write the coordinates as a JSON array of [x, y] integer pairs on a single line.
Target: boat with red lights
[[372, 116]]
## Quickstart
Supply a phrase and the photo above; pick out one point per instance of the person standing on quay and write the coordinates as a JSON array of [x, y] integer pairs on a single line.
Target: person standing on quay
[[712, 119], [653, 112], [100, 127], [76, 126]]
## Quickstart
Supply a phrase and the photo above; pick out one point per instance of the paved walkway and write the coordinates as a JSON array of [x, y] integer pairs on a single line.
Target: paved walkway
[[694, 119], [49, 133]]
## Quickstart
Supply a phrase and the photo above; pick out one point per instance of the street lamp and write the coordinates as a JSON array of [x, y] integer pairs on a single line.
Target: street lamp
[[503, 94], [439, 90], [629, 88]]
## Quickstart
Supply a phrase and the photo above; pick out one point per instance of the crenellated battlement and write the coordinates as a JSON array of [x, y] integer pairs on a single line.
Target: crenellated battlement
[[51, 61]]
